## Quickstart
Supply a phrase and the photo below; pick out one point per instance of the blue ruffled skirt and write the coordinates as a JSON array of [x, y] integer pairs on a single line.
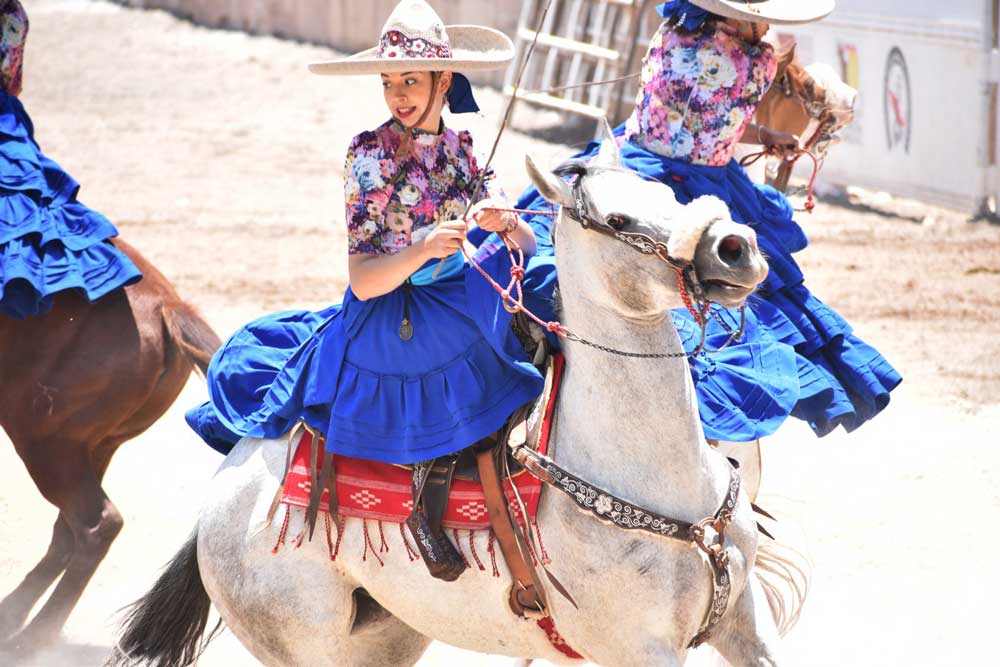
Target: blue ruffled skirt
[[49, 241], [346, 372], [797, 357]]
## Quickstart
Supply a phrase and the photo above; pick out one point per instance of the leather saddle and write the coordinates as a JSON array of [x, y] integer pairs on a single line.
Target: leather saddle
[[487, 462]]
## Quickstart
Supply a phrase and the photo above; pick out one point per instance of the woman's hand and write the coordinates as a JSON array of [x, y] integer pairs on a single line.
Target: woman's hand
[[778, 143], [488, 218], [445, 240]]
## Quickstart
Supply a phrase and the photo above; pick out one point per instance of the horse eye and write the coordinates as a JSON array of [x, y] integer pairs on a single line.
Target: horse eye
[[616, 222]]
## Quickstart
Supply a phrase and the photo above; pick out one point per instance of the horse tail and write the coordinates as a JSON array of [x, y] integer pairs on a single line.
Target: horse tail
[[165, 627], [196, 339], [784, 574]]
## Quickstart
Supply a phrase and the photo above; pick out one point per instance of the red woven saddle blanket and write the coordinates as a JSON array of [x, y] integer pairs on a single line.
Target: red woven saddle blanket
[[382, 491]]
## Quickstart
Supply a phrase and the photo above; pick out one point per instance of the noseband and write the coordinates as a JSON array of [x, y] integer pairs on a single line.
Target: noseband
[[583, 214]]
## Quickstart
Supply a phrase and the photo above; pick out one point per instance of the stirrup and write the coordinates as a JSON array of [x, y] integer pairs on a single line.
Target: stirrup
[[431, 485]]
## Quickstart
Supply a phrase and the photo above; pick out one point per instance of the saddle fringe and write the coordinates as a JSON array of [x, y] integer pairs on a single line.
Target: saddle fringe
[[339, 522]]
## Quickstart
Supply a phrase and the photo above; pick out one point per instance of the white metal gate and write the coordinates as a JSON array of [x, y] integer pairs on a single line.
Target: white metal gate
[[583, 41]]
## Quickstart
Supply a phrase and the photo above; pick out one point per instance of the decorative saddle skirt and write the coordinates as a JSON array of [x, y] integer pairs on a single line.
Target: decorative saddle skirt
[[382, 491]]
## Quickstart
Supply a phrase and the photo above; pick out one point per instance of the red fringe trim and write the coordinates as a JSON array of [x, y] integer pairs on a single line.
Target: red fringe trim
[[458, 545], [284, 530], [472, 548], [384, 547], [300, 537], [491, 550], [339, 522], [369, 545], [541, 545], [340, 536], [329, 533], [410, 553]]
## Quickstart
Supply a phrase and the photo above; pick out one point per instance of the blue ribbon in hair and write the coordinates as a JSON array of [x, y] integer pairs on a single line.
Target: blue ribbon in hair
[[684, 13], [460, 99]]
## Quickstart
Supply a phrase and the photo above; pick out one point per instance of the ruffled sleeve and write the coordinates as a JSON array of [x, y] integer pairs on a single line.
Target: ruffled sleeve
[[367, 189]]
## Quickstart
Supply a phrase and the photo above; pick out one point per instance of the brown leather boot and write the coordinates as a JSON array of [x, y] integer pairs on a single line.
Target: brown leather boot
[[431, 484]]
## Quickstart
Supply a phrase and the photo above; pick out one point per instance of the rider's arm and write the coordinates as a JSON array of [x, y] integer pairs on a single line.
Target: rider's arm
[[375, 275], [781, 143], [493, 220]]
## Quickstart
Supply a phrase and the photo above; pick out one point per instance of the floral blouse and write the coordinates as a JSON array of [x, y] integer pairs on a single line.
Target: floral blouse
[[13, 30], [698, 93], [393, 198]]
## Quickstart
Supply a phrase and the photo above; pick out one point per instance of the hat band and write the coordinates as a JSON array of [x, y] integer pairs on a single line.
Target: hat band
[[397, 44]]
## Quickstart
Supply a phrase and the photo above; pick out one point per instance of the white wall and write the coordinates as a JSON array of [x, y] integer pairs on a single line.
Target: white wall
[[946, 48]]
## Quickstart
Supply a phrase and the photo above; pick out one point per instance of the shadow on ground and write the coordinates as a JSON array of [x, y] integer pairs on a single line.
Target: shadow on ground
[[64, 654]]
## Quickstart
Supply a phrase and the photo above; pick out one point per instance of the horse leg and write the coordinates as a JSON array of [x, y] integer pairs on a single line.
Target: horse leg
[[14, 608], [71, 483], [378, 638], [294, 613], [747, 636]]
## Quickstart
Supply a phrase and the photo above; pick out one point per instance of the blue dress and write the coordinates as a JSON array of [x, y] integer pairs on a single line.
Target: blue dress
[[49, 241], [347, 371], [797, 357]]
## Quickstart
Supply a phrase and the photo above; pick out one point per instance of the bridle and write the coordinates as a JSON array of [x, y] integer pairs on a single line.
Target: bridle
[[689, 285]]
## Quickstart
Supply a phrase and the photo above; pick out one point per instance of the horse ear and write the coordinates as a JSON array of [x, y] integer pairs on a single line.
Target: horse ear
[[552, 187], [786, 58], [609, 155]]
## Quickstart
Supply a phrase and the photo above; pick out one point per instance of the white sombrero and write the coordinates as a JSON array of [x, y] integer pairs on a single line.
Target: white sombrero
[[415, 39], [777, 12]]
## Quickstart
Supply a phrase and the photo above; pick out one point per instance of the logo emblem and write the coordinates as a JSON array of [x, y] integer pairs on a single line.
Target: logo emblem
[[896, 101]]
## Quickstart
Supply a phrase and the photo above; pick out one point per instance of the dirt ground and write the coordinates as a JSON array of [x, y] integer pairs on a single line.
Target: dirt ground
[[220, 157]]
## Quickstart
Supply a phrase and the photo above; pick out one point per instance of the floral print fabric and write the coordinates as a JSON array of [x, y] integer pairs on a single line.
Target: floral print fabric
[[698, 93], [13, 31], [394, 197]]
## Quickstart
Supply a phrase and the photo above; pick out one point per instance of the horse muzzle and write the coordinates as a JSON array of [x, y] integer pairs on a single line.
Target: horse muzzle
[[729, 263]]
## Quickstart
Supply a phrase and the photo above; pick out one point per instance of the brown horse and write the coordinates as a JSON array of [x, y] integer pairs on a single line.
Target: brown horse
[[77, 383], [809, 102]]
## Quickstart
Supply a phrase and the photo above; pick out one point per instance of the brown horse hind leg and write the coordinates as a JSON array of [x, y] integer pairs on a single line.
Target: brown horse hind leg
[[15, 607], [94, 523]]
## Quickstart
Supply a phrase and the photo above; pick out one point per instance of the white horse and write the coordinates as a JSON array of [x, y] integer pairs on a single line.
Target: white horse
[[627, 425]]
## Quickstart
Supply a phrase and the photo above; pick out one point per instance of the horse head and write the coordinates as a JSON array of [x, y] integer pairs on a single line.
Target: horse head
[[811, 102], [609, 212]]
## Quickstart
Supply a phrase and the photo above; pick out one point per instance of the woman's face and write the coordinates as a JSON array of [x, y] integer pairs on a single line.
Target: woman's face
[[408, 95]]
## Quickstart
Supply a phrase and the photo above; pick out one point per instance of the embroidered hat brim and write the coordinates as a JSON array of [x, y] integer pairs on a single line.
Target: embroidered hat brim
[[473, 48], [778, 12]]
